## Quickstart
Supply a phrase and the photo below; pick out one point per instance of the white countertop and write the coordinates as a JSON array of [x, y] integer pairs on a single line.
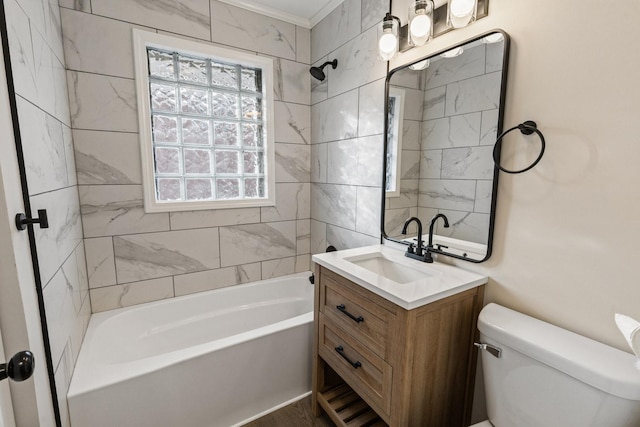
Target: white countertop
[[437, 281]]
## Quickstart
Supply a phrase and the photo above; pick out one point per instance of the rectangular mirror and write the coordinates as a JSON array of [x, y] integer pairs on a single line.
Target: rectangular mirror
[[443, 116]]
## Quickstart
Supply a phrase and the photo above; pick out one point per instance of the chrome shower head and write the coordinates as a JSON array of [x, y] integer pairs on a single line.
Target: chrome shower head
[[318, 73]]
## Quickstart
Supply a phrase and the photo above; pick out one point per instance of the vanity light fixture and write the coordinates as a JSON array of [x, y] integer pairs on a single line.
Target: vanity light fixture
[[493, 38], [420, 22], [427, 19], [389, 40], [420, 65], [457, 51], [461, 13]]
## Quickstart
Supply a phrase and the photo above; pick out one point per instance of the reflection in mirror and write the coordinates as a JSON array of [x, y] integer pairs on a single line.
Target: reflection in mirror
[[442, 123]]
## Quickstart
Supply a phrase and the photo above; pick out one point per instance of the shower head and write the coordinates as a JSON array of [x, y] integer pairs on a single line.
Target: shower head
[[317, 71]]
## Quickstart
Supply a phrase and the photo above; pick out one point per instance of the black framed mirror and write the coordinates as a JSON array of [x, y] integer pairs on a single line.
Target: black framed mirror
[[444, 113]]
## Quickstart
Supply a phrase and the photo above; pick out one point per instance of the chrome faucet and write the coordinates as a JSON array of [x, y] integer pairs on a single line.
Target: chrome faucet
[[429, 249], [414, 251]]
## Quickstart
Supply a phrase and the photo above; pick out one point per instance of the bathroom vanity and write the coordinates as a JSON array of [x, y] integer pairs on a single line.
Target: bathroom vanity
[[393, 339]]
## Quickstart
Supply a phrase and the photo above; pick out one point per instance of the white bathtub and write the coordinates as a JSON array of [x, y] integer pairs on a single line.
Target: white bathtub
[[217, 358]]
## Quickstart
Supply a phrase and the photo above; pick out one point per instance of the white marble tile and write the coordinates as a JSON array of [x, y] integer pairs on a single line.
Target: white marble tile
[[44, 149], [292, 202], [394, 221], [21, 50], [56, 243], [347, 239], [46, 85], [494, 55], [319, 162], [434, 103], [335, 119], [109, 210], [303, 263], [449, 132], [257, 242], [468, 163], [101, 264], [373, 12], [118, 296], [489, 127], [371, 108], [448, 70], [431, 164], [83, 5], [292, 123], [447, 194], [334, 204], [368, 210], [242, 28], [80, 327], [293, 163], [319, 89], [107, 157], [356, 161], [102, 103], [35, 10], [83, 276], [58, 297], [53, 30], [303, 236], [411, 135], [61, 93], [476, 94], [214, 279], [303, 45], [466, 226], [278, 267], [410, 165], [213, 218], [188, 17], [357, 64], [292, 81], [152, 255], [413, 104], [97, 45], [408, 195], [318, 237], [338, 27], [62, 377], [408, 78], [70, 158], [484, 191]]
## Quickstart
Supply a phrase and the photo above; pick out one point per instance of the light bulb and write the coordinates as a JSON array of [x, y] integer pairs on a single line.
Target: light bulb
[[493, 38], [420, 29], [387, 45], [420, 65], [456, 51], [461, 12]]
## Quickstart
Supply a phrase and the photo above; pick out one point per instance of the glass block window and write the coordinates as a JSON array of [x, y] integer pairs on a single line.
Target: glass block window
[[206, 127]]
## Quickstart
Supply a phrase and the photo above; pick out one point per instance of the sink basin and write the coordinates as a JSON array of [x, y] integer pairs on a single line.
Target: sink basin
[[377, 263]]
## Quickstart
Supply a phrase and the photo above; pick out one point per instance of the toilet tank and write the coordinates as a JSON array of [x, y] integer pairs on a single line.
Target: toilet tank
[[546, 376]]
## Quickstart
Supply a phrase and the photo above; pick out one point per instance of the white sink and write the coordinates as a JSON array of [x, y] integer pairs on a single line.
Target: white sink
[[406, 282], [378, 263]]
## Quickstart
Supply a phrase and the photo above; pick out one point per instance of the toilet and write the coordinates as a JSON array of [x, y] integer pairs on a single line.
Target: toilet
[[540, 375]]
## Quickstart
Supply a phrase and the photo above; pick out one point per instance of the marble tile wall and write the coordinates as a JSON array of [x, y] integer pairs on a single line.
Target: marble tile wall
[[38, 65], [347, 120], [134, 257], [457, 132]]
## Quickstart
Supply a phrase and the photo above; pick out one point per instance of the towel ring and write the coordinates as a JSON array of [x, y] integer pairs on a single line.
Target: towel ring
[[526, 128]]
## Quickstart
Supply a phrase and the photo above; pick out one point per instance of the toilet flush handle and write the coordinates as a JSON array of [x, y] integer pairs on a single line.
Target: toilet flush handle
[[493, 350]]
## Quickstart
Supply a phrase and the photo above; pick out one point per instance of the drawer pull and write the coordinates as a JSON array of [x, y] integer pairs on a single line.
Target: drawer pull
[[340, 351], [343, 309]]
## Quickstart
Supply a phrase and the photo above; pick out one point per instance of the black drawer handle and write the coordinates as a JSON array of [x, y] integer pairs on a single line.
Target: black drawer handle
[[340, 351], [343, 309]]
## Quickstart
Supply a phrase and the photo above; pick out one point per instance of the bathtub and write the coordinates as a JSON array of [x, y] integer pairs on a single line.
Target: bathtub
[[216, 358]]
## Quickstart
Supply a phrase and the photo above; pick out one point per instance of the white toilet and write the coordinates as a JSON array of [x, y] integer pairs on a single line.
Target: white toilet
[[539, 375]]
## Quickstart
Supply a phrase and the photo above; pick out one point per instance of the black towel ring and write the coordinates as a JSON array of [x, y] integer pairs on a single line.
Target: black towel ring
[[526, 128]]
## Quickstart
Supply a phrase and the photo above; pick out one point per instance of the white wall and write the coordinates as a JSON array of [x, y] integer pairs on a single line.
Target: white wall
[[566, 232]]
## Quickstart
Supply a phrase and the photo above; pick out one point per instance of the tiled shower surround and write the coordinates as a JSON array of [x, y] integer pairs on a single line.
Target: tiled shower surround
[[134, 257]]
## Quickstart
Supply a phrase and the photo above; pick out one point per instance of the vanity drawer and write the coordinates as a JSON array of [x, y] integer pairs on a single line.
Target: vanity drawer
[[371, 379], [359, 316]]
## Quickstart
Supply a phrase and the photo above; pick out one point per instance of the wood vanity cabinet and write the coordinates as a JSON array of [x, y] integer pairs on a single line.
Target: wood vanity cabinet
[[375, 363]]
